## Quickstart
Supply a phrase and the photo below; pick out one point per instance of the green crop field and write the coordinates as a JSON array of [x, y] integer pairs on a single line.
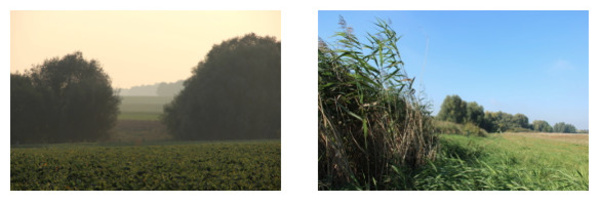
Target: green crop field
[[509, 161], [252, 165]]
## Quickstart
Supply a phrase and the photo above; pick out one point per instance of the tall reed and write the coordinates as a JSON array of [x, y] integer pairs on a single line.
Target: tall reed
[[370, 119]]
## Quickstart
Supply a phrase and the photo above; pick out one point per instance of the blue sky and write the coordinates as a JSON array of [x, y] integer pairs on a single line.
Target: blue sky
[[530, 62]]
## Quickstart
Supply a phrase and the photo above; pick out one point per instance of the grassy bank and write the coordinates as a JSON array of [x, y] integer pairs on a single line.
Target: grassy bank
[[509, 161]]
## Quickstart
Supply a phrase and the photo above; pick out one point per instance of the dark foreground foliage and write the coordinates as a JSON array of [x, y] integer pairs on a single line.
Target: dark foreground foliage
[[178, 166], [234, 93], [369, 117]]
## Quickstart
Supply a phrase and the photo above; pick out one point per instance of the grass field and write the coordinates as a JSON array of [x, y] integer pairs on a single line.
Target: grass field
[[509, 161], [253, 165], [139, 131], [142, 107], [138, 120]]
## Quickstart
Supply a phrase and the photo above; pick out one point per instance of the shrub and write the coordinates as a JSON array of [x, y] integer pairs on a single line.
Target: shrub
[[446, 127], [472, 129]]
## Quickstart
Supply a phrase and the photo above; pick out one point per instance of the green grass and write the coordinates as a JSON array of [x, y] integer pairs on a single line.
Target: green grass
[[169, 166], [139, 116], [142, 107], [505, 162]]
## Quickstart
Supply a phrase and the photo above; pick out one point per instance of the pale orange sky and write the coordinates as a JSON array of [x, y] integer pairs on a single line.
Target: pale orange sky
[[133, 47]]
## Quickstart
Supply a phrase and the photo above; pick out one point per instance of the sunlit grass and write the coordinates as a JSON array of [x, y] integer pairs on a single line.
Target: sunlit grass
[[506, 162]]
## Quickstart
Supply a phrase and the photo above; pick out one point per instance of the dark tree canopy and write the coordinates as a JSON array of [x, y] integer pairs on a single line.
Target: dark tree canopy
[[27, 121], [234, 93], [62, 100]]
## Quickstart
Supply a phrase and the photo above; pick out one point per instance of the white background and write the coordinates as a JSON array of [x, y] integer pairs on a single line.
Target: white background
[[299, 94]]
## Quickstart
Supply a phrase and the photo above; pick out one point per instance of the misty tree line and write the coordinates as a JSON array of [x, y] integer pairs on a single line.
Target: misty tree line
[[234, 93], [158, 89], [454, 109]]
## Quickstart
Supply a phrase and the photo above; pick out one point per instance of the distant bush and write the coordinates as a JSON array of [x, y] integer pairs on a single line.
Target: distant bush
[[445, 127], [472, 129]]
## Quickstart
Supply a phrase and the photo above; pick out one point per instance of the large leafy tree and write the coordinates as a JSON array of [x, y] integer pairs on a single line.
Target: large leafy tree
[[541, 126], [454, 109], [234, 93], [520, 120], [68, 100], [475, 114], [499, 121]]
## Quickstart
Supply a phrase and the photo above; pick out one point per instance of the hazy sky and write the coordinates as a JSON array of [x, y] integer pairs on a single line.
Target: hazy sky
[[530, 62], [133, 47]]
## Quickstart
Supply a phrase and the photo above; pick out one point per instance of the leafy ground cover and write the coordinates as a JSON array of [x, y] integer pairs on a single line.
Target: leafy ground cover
[[252, 165]]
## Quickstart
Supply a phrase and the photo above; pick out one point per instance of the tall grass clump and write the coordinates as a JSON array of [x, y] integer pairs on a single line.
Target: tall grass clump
[[370, 120]]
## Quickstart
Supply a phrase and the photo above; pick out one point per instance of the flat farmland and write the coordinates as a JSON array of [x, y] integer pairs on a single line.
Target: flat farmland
[[142, 107], [248, 165], [138, 120], [557, 137]]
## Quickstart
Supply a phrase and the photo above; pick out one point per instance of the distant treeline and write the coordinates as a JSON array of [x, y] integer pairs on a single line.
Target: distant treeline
[[157, 89], [455, 110]]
